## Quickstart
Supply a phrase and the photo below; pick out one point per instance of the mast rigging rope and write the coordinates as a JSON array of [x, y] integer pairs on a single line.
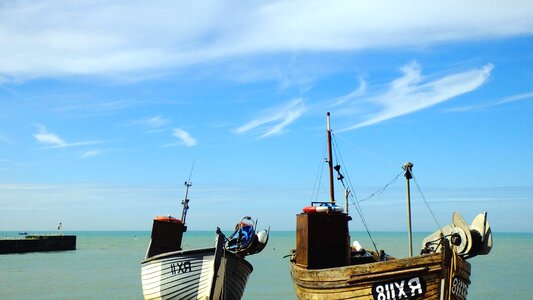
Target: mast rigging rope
[[426, 202], [354, 199], [381, 190], [318, 179]]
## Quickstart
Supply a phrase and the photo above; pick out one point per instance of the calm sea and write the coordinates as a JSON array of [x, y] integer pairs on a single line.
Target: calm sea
[[106, 265]]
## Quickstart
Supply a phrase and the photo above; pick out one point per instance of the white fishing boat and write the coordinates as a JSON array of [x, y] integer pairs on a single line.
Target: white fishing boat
[[218, 272], [325, 265]]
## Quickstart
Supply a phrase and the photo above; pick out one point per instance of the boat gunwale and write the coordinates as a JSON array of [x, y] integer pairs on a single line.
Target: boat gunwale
[[432, 256], [348, 275], [193, 251]]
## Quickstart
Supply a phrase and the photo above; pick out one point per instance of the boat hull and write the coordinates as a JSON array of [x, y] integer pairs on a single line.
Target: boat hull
[[436, 276], [190, 274]]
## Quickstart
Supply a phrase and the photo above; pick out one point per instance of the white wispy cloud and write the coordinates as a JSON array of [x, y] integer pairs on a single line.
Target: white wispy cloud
[[274, 121], [152, 123], [359, 91], [185, 137], [156, 122], [52, 140], [411, 93], [506, 100], [51, 38], [90, 153], [47, 138], [515, 98], [98, 108]]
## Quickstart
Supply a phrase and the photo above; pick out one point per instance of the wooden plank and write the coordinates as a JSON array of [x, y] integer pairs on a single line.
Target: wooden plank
[[384, 275], [356, 281]]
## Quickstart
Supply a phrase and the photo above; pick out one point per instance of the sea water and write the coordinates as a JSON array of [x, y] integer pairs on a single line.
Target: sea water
[[106, 265]]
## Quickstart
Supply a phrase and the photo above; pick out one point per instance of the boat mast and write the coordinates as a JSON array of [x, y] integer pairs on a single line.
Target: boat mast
[[185, 202], [408, 167], [330, 162]]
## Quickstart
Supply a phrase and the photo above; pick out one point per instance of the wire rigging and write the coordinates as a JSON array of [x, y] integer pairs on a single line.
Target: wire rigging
[[190, 174], [354, 200], [318, 179], [381, 190], [348, 186], [426, 202]]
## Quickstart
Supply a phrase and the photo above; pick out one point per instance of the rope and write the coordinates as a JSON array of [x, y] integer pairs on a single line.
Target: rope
[[355, 203], [427, 204], [381, 190], [320, 171]]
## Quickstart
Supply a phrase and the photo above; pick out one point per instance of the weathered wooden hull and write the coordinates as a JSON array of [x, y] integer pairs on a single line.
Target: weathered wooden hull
[[433, 276], [190, 274]]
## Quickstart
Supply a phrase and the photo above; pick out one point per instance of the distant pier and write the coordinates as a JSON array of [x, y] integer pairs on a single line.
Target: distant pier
[[38, 243]]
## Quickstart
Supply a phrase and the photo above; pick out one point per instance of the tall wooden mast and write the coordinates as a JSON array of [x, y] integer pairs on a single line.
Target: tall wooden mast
[[330, 162], [323, 238], [408, 169]]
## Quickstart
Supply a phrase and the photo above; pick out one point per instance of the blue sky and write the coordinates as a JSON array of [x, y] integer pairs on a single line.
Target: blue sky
[[105, 107]]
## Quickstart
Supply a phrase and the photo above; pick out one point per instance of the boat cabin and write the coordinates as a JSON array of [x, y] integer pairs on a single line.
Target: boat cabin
[[167, 233], [322, 239]]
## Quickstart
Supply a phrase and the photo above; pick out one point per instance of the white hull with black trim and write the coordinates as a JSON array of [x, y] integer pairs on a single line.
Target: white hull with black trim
[[179, 275], [219, 272], [190, 274]]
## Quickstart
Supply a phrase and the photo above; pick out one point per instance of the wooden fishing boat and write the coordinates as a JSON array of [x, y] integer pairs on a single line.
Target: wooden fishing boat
[[219, 272], [196, 274], [325, 266]]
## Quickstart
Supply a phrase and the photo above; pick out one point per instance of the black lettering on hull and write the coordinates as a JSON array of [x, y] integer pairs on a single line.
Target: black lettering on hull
[[180, 267], [404, 288]]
